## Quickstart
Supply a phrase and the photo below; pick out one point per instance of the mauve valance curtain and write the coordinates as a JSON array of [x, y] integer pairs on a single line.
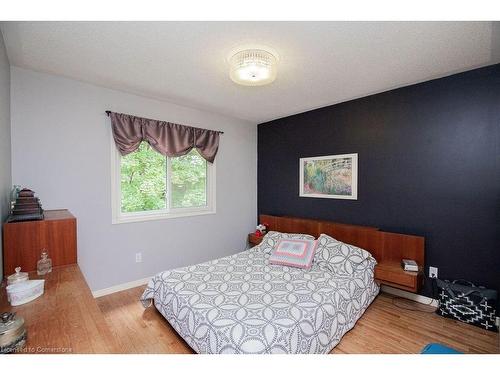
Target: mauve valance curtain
[[167, 138]]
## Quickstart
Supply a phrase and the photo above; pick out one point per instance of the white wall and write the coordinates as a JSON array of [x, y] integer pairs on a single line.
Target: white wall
[[61, 149], [5, 155]]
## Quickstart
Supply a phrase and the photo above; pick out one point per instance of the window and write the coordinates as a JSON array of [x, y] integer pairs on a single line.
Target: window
[[147, 185]]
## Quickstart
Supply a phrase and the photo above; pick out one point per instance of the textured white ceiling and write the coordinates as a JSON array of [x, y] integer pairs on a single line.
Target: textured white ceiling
[[321, 63]]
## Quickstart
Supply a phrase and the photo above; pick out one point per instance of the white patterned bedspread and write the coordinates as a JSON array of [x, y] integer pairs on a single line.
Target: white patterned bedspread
[[242, 304]]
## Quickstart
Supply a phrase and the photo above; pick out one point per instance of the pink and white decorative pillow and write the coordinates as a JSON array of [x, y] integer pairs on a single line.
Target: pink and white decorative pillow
[[272, 238], [293, 253]]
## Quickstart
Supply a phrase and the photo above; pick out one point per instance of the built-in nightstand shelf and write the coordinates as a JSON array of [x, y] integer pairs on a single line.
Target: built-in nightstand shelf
[[254, 240], [392, 274]]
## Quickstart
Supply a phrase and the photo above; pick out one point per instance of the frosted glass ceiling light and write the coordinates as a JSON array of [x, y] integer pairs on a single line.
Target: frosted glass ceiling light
[[253, 67]]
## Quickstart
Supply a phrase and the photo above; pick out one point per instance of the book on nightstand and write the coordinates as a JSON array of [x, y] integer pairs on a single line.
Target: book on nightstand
[[409, 265]]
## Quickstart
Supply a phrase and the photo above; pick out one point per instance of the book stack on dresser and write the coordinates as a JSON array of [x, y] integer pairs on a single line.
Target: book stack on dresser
[[26, 207]]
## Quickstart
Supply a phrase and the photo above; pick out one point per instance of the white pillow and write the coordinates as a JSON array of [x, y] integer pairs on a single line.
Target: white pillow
[[341, 258]]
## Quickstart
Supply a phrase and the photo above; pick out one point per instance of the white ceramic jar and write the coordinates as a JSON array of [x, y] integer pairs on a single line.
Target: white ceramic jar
[[24, 292]]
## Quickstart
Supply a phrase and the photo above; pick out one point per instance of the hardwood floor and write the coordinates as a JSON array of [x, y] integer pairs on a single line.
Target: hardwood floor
[[384, 328], [139, 330], [66, 318]]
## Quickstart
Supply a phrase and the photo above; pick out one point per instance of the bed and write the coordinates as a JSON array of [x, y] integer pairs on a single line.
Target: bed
[[244, 304]]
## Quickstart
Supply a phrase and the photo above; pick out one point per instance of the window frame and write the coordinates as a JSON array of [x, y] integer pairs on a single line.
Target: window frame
[[119, 217]]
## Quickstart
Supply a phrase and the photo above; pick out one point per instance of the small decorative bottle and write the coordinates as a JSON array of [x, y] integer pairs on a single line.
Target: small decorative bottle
[[13, 196], [44, 265]]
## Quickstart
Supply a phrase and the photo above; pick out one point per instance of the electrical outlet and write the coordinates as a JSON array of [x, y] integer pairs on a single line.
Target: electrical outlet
[[433, 272], [138, 257]]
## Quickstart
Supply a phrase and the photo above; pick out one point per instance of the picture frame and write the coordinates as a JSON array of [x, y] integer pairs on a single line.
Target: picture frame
[[331, 176]]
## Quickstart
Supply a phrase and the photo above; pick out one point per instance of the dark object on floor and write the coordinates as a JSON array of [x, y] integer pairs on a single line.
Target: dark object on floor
[[463, 301], [406, 304], [434, 348]]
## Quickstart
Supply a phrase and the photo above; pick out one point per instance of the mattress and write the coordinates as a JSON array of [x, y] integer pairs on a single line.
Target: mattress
[[242, 304]]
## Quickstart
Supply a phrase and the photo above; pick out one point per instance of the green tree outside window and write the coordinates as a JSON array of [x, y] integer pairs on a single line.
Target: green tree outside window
[[144, 185]]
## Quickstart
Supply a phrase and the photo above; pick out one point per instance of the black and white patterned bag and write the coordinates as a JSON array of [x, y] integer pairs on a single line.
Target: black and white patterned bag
[[462, 300]]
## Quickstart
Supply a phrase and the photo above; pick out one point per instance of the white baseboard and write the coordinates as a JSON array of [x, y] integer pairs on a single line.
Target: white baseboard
[[120, 287], [408, 295]]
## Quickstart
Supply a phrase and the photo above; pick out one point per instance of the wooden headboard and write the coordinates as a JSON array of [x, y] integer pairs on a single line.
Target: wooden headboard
[[386, 247]]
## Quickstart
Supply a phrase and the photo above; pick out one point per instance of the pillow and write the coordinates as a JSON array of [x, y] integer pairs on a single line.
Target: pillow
[[293, 253], [271, 239], [341, 258]]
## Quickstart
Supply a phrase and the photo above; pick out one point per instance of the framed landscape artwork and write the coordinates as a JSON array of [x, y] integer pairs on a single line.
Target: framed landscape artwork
[[333, 176]]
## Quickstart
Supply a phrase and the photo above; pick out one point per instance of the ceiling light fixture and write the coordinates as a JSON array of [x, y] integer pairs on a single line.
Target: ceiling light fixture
[[253, 67]]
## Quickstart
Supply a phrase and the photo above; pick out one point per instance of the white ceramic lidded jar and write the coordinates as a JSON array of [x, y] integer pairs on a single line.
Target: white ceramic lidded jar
[[17, 277], [27, 291], [44, 265]]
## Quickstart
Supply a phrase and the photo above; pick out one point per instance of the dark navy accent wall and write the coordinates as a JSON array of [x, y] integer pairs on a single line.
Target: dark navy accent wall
[[429, 165]]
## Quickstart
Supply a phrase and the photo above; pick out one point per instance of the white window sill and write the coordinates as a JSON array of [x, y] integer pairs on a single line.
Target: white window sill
[[138, 217]]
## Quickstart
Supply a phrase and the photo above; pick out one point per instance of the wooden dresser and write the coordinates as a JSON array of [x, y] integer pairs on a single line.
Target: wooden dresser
[[23, 241], [66, 318]]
